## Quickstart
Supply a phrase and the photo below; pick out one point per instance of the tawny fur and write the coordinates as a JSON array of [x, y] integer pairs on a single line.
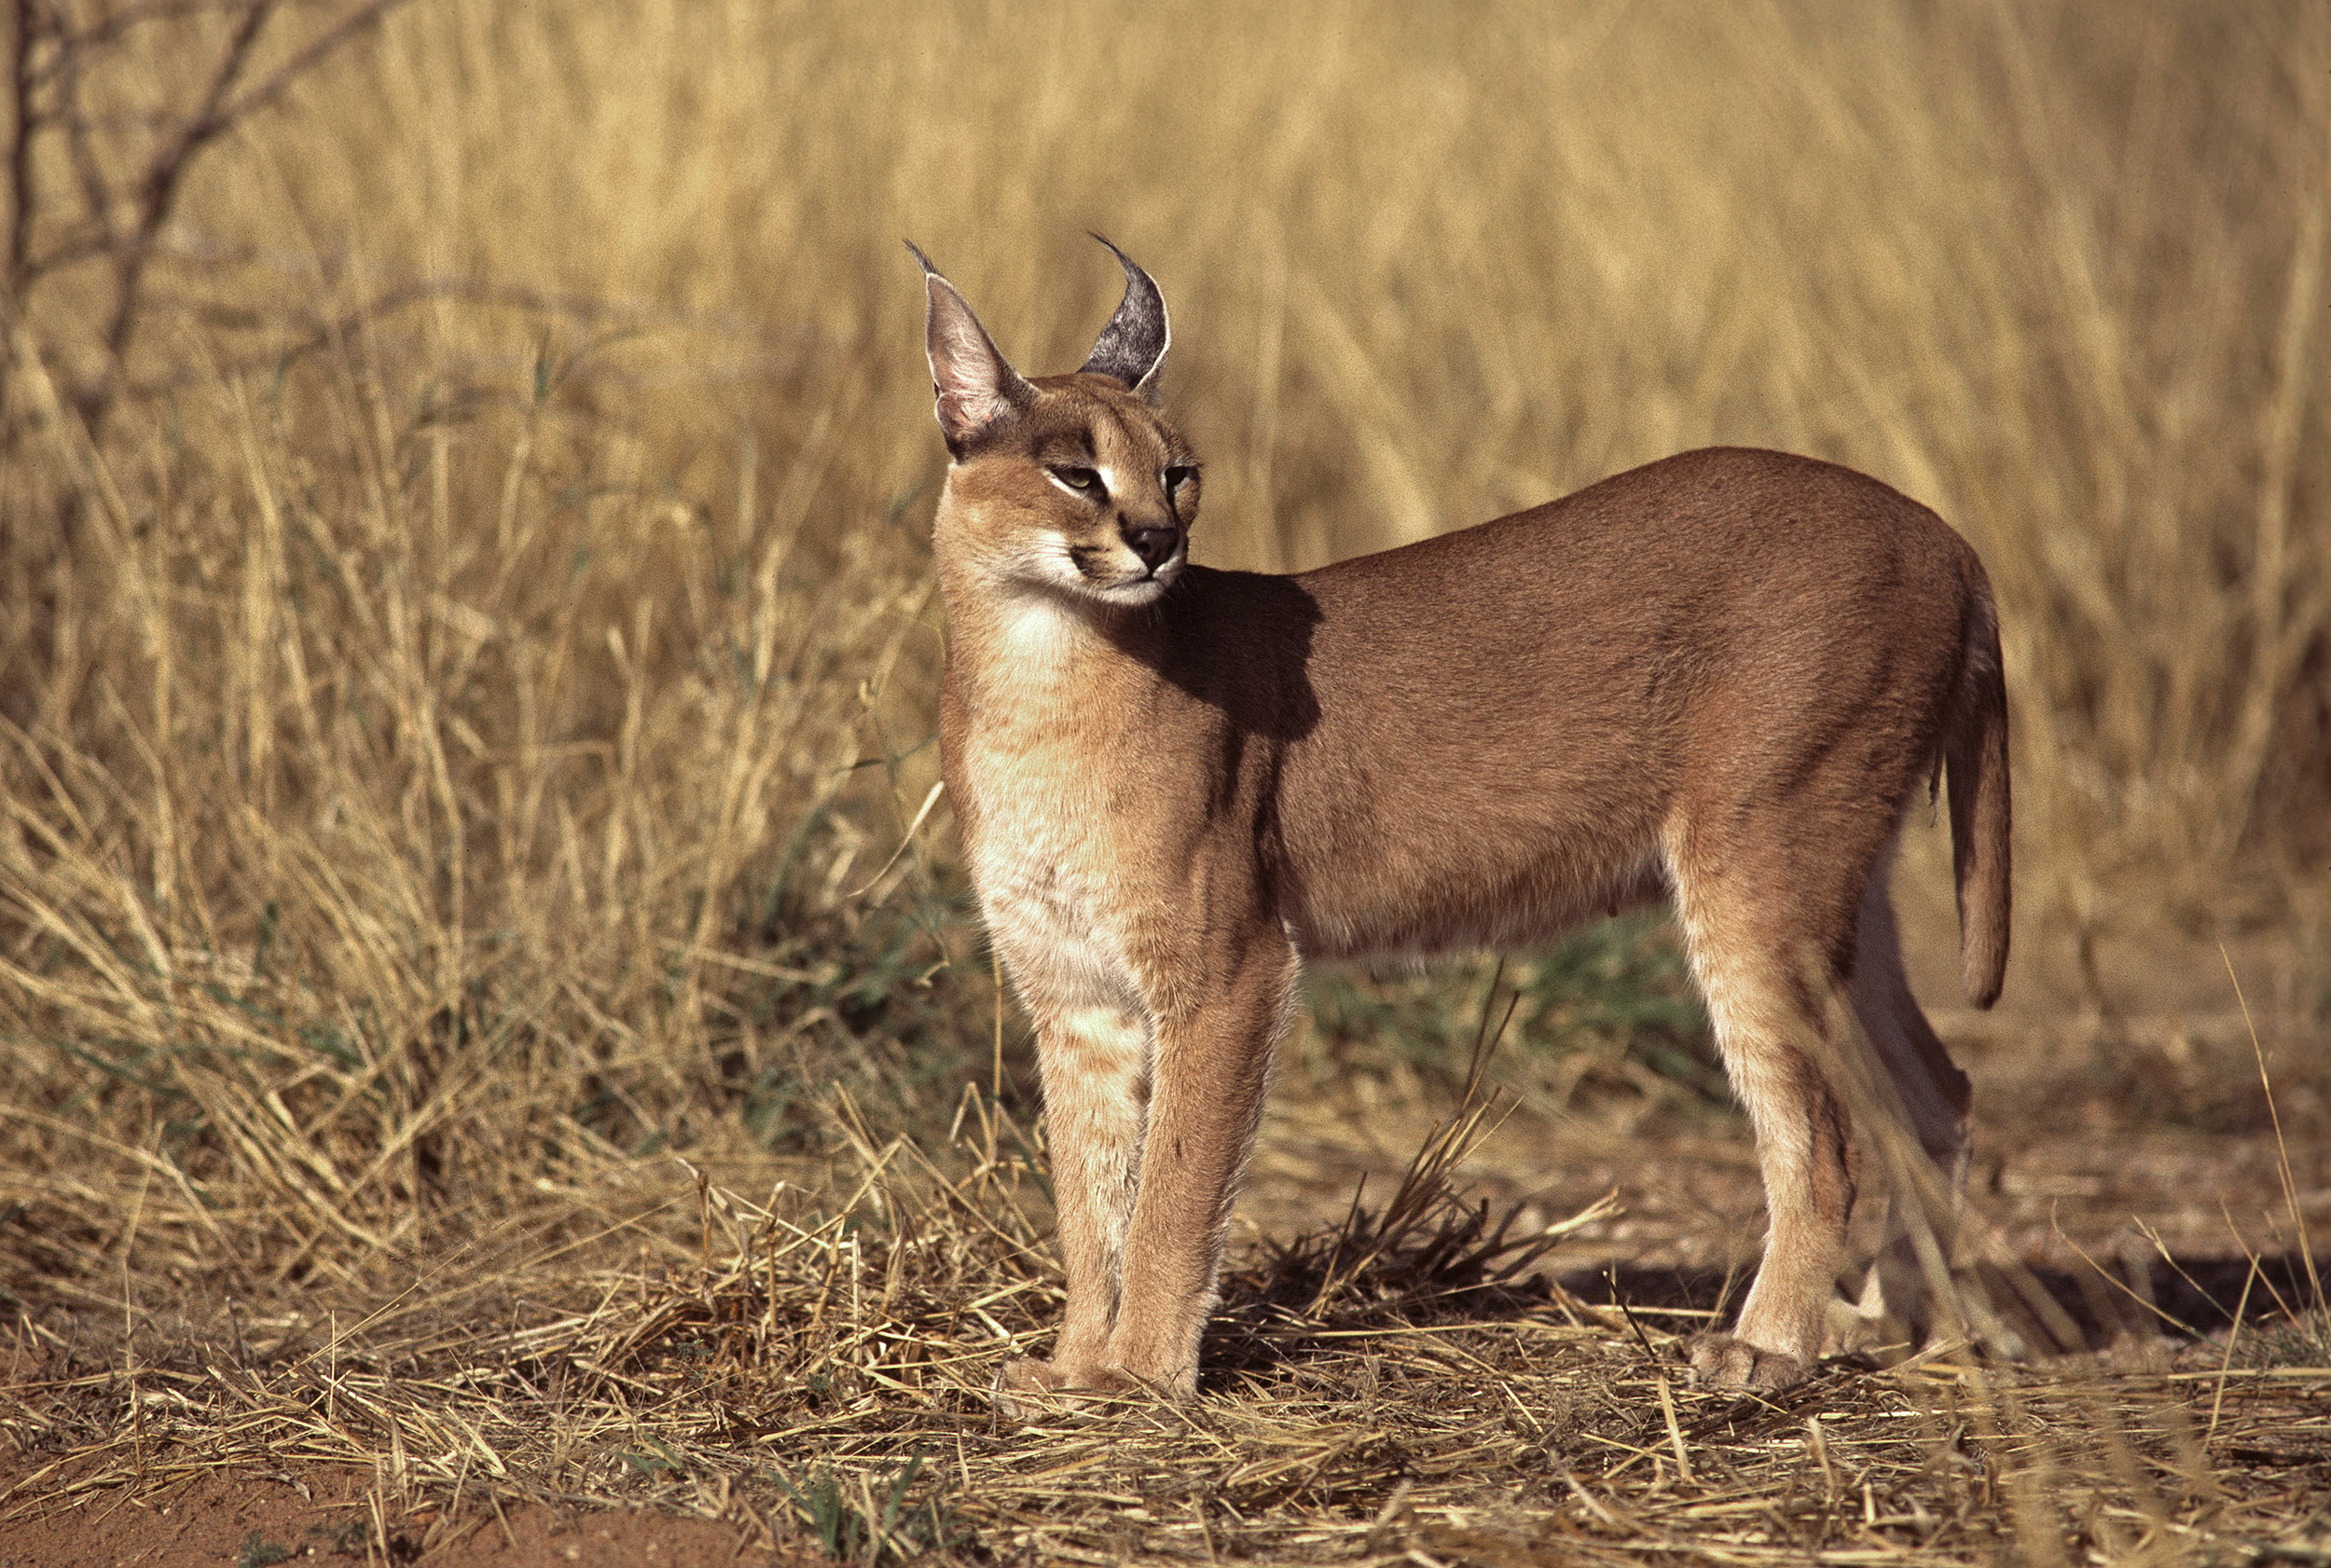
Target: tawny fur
[[1720, 680]]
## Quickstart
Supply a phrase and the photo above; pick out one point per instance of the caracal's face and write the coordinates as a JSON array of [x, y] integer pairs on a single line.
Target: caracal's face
[[1087, 491]]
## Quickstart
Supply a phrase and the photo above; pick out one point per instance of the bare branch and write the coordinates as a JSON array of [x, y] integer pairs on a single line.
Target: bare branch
[[90, 243], [219, 109], [107, 29], [356, 22], [22, 196], [96, 194], [310, 334], [158, 189]]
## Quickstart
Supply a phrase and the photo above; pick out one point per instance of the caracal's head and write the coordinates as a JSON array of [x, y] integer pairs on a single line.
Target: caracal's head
[[1067, 485]]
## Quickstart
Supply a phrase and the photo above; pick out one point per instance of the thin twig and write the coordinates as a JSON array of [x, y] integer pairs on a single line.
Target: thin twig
[[155, 192], [116, 24], [158, 189], [22, 198]]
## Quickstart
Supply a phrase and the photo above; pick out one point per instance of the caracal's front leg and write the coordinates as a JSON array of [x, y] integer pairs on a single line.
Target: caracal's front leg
[[1212, 1066], [1095, 1067]]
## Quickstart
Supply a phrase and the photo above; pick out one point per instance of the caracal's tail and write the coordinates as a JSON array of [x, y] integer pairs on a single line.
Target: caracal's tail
[[1974, 763]]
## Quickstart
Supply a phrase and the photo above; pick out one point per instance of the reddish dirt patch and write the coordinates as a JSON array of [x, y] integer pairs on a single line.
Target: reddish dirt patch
[[335, 1515]]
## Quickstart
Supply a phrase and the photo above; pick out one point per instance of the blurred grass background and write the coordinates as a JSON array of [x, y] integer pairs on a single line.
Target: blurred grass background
[[467, 644]]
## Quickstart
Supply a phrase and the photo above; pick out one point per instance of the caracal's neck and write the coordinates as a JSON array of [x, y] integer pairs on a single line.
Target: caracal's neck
[[1020, 651]]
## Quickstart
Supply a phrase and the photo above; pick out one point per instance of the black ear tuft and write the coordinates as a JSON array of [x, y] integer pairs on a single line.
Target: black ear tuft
[[1133, 345], [977, 390]]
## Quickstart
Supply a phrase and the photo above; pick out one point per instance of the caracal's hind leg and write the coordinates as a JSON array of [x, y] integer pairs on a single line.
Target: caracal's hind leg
[[1094, 1061], [1922, 1114], [1767, 944], [1933, 1091], [1213, 1066]]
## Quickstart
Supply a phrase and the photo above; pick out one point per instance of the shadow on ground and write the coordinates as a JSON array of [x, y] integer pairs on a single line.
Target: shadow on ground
[[2189, 1298]]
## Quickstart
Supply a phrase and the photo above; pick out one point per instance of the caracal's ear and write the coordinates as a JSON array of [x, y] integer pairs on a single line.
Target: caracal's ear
[[1133, 345], [978, 390]]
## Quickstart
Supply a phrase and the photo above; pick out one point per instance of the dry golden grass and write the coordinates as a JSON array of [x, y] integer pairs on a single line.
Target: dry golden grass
[[465, 666]]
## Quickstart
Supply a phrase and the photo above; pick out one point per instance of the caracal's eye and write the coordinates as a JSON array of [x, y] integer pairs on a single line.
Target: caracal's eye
[[1179, 475], [1086, 482]]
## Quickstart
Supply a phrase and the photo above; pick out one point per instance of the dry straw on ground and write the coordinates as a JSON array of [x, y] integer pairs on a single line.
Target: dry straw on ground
[[465, 658], [817, 1376]]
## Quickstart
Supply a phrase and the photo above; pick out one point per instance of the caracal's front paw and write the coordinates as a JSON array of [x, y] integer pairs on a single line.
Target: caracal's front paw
[[1027, 1388], [1728, 1361]]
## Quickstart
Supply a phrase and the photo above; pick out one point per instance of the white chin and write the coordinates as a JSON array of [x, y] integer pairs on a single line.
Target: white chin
[[1131, 591], [1145, 590]]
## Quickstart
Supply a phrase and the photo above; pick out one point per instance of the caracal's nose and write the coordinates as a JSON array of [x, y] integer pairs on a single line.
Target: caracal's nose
[[1155, 546]]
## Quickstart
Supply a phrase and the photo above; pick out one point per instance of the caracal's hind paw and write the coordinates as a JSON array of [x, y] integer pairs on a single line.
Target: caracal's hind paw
[[1727, 1361]]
